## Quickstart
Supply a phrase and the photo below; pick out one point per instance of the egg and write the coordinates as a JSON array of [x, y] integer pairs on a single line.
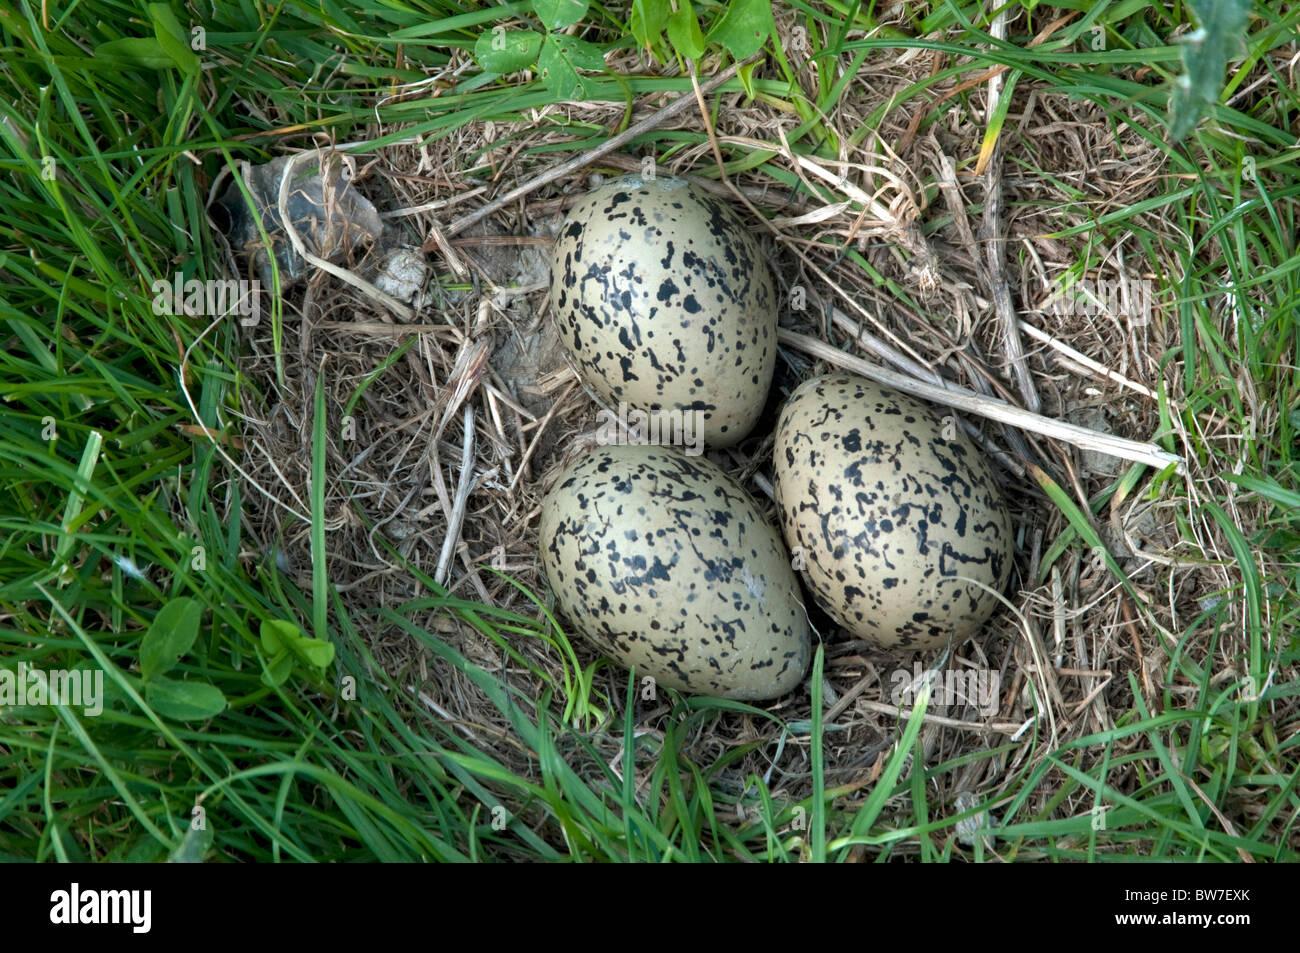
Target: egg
[[664, 302], [664, 563], [891, 512]]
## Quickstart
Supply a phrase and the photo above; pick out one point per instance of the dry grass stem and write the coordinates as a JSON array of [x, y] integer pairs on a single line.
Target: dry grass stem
[[463, 489], [286, 219], [968, 401], [1088, 363]]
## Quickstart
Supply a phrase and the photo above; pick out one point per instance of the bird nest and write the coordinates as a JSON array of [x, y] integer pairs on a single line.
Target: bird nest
[[447, 424]]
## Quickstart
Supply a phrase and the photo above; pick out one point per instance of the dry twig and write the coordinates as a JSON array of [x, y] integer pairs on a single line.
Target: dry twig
[[995, 270], [966, 400]]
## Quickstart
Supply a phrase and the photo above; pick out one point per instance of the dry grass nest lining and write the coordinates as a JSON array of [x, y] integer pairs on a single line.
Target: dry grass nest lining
[[496, 344]]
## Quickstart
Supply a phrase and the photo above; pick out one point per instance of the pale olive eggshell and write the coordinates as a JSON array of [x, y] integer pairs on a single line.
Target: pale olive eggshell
[[889, 508], [663, 300], [664, 563]]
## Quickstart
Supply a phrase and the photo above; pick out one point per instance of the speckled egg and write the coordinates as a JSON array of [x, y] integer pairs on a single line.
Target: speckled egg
[[666, 565], [663, 301], [889, 509]]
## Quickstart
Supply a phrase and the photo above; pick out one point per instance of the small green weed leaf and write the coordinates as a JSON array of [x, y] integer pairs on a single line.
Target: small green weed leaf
[[684, 32], [507, 51], [145, 850], [1139, 33], [580, 53], [744, 28], [556, 14], [184, 701], [173, 39], [135, 51], [278, 636], [314, 652], [649, 17], [193, 846], [746, 76], [561, 58], [1206, 52], [278, 669], [170, 636]]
